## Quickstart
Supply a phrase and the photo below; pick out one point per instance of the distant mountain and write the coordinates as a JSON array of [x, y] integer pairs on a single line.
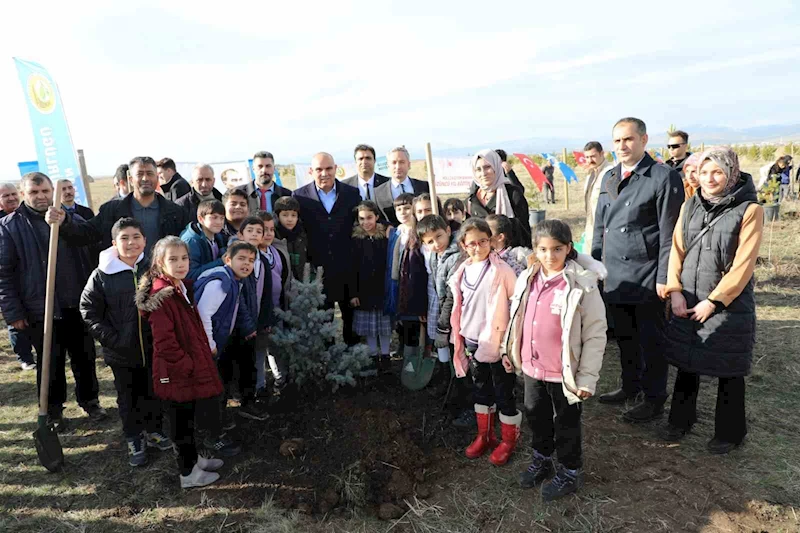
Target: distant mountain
[[755, 134]]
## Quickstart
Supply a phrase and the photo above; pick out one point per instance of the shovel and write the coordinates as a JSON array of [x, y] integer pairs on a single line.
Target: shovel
[[45, 437], [417, 369]]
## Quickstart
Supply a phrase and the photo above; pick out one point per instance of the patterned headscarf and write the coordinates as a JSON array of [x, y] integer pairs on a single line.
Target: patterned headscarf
[[693, 160], [503, 203], [728, 161]]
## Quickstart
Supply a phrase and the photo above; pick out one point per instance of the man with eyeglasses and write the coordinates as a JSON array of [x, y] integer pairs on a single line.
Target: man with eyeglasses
[[678, 145]]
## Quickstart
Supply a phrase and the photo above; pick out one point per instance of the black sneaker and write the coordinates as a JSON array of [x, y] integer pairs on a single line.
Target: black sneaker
[[643, 412], [254, 411], [466, 420], [721, 447], [95, 412], [540, 469], [136, 451], [223, 446], [565, 482], [672, 433]]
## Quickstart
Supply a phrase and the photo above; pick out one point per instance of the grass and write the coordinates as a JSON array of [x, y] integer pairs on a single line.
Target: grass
[[634, 482]]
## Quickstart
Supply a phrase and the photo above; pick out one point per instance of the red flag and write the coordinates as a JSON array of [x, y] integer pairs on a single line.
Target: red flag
[[536, 173], [579, 158]]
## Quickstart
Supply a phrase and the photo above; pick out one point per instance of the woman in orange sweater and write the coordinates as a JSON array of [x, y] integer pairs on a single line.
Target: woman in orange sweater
[[710, 283]]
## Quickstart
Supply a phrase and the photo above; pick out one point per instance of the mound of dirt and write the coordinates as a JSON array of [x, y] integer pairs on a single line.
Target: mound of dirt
[[362, 448]]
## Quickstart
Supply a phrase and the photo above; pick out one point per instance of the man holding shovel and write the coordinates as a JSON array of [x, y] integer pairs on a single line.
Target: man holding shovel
[[24, 239]]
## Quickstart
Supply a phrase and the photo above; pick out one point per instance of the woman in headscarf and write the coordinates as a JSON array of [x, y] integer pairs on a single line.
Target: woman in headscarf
[[497, 195], [710, 283], [690, 171]]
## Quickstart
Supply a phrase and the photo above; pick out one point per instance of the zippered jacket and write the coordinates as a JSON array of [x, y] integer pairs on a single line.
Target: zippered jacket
[[108, 308]]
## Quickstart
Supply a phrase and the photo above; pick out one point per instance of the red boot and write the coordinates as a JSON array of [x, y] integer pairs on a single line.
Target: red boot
[[486, 439], [510, 429]]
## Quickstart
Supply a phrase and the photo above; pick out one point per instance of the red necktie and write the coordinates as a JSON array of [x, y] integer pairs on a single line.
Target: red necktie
[[263, 200], [627, 174]]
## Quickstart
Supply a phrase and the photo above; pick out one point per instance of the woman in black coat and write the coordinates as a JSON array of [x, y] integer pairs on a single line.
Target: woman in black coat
[[495, 194]]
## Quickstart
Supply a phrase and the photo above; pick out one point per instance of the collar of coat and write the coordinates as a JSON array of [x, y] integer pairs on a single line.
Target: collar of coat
[[152, 294], [359, 233], [583, 271]]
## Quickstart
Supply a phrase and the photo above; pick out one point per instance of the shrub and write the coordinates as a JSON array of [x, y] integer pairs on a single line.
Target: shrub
[[305, 336]]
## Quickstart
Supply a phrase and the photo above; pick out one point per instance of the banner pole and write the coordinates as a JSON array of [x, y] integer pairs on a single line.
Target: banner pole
[[431, 179], [84, 179], [566, 181]]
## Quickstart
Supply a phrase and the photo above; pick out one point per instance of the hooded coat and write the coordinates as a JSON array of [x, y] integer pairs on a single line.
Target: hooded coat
[[183, 368], [108, 307]]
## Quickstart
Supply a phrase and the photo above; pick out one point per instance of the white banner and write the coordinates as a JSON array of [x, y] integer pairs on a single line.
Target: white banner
[[453, 175], [235, 173]]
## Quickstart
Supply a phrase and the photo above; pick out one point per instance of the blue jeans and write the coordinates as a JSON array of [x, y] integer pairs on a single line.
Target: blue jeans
[[21, 346]]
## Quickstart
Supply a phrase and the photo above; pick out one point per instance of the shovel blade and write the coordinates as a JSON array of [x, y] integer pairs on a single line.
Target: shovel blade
[[417, 371], [48, 447]]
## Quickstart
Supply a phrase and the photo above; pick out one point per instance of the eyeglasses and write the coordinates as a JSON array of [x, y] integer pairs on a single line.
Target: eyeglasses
[[675, 146], [472, 245]]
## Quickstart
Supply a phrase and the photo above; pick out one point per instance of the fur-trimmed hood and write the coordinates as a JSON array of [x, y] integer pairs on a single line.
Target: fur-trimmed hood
[[152, 294], [359, 233]]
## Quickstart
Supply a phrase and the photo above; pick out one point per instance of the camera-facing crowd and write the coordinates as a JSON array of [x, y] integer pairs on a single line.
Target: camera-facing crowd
[[180, 287]]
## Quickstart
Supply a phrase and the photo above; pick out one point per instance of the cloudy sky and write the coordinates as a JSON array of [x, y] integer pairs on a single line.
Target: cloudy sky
[[217, 81]]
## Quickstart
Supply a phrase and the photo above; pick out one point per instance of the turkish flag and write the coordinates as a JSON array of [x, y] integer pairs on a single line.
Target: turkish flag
[[579, 158], [536, 173]]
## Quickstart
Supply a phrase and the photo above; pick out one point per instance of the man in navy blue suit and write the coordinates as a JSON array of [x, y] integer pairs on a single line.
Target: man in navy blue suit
[[327, 211]]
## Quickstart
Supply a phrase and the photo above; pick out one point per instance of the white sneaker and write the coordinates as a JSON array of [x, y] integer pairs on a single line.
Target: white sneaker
[[209, 464], [198, 478], [28, 366]]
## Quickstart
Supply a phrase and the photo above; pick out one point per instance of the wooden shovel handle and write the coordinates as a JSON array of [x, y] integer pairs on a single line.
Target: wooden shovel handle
[[49, 308]]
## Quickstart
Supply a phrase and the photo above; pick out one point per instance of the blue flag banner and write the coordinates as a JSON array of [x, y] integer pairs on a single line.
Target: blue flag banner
[[27, 166], [569, 174], [551, 158], [54, 149]]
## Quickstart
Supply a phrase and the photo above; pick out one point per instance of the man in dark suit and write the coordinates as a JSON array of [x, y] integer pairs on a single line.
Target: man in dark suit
[[264, 192], [399, 162], [637, 208], [202, 189], [70, 206], [173, 185], [366, 179], [326, 209]]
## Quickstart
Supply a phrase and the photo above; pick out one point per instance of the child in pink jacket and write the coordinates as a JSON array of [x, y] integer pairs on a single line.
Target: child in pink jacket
[[482, 288]]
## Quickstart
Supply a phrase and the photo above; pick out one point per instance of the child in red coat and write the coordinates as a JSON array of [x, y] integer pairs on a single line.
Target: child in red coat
[[183, 368]]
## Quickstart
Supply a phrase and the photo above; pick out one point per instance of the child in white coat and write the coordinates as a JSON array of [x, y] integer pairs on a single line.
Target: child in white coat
[[556, 338]]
